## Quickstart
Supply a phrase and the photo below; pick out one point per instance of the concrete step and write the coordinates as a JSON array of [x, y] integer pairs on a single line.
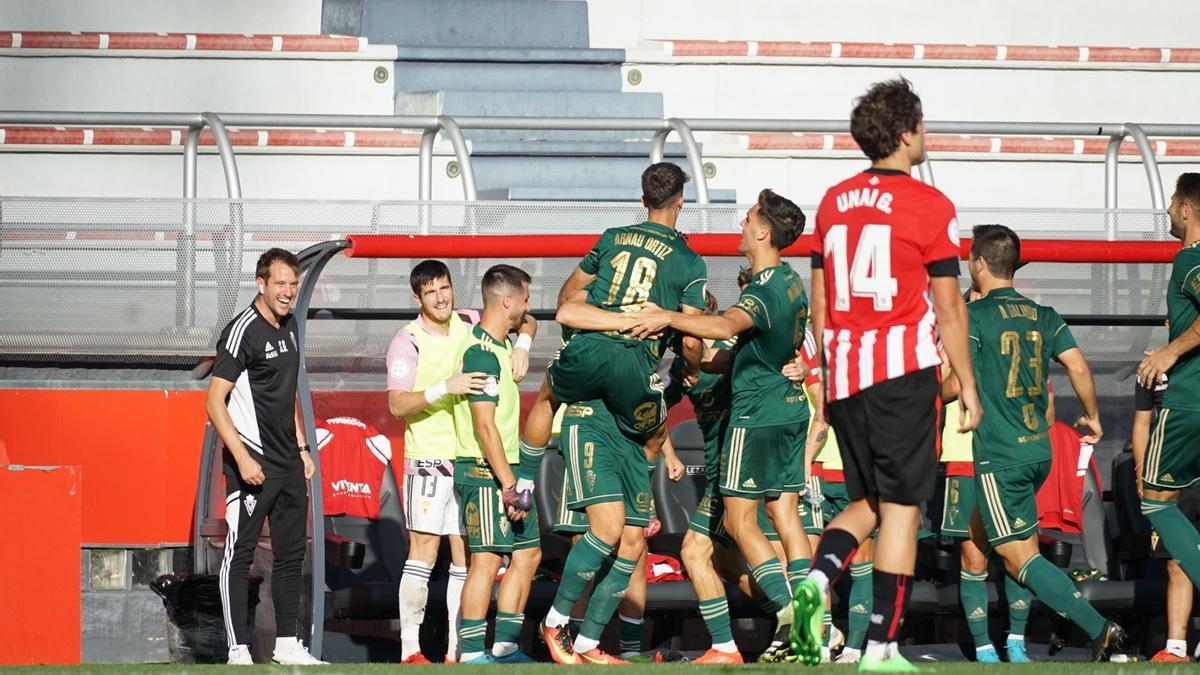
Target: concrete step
[[291, 85], [562, 103], [572, 148], [604, 193], [418, 75], [508, 171], [585, 104], [463, 23], [556, 55]]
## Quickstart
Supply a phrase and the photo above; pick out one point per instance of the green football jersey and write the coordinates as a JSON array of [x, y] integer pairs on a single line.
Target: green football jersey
[[640, 263], [480, 352], [1183, 300], [711, 398], [762, 396], [1013, 339]]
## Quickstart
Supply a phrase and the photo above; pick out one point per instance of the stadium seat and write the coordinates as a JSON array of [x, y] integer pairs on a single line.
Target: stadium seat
[[1132, 540], [676, 501], [385, 541], [555, 547], [1094, 540]]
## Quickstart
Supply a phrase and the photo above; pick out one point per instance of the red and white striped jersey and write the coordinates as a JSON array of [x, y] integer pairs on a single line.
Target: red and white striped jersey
[[880, 236]]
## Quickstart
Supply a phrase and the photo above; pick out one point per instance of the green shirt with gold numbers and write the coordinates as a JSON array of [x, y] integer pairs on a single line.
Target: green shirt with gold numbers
[[1012, 341], [647, 262]]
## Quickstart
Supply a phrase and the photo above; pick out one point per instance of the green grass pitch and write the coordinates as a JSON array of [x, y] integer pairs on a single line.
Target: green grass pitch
[[1041, 668]]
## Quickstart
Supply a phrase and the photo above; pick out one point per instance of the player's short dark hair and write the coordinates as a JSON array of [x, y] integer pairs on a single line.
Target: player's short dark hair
[[661, 184], [999, 246], [262, 270], [1187, 188], [786, 219], [501, 278], [887, 110], [744, 277], [425, 272]]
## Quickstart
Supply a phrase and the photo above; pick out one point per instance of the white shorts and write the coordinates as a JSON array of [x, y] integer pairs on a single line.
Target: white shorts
[[431, 503]]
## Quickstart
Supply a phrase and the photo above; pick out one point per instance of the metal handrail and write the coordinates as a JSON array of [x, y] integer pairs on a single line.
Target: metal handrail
[[452, 127]]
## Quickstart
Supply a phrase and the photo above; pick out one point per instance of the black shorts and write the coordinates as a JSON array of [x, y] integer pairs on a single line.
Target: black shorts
[[887, 435]]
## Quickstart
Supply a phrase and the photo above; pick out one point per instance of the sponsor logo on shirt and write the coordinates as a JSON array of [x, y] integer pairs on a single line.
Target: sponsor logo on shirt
[[347, 487], [270, 352]]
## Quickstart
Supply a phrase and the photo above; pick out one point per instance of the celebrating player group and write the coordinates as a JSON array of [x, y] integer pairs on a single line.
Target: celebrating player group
[[821, 412]]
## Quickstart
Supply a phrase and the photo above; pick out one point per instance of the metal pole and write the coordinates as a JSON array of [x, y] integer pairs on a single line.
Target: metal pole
[[692, 151], [318, 255], [425, 159], [233, 183], [925, 170], [185, 248], [1108, 272], [425, 180], [461, 153], [227, 291], [208, 450], [1150, 163], [1141, 338], [1110, 170], [658, 145]]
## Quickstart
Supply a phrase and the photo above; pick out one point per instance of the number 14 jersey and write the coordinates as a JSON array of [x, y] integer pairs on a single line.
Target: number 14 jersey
[[880, 236]]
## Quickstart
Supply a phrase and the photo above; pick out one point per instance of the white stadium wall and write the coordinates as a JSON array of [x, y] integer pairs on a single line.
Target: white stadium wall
[[174, 16], [1167, 23], [717, 80]]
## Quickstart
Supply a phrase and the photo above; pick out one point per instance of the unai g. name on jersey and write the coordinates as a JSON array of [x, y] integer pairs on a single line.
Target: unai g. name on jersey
[[880, 236]]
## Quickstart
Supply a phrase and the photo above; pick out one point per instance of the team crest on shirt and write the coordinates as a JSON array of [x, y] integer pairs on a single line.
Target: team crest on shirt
[[250, 501], [491, 386], [504, 527], [952, 231]]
